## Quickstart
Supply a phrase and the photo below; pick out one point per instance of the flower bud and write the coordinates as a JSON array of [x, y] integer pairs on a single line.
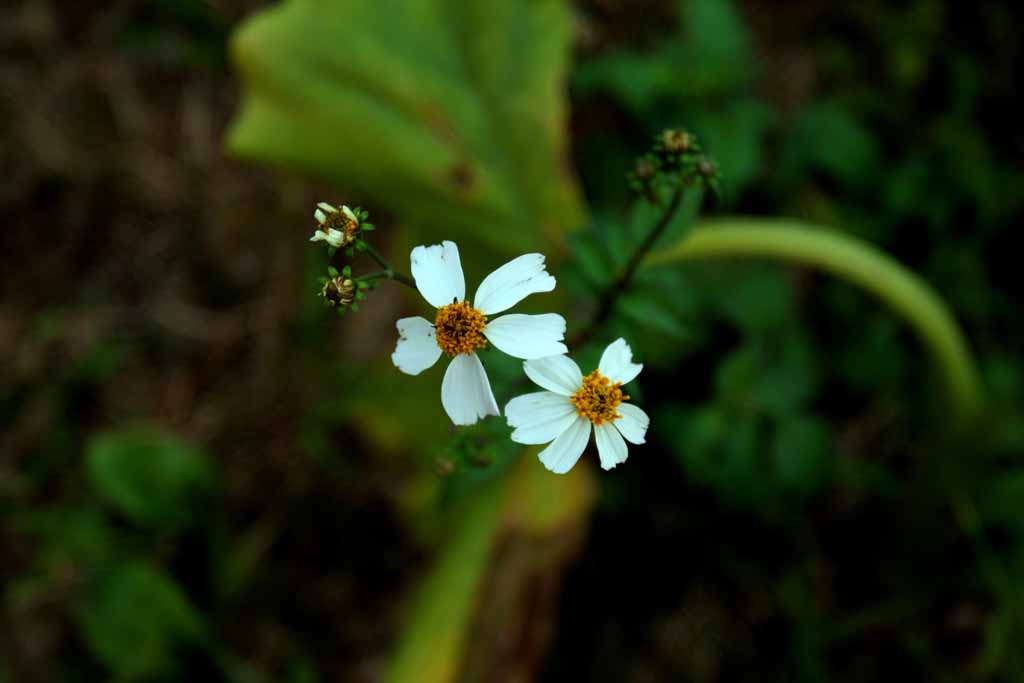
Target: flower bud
[[339, 227], [338, 291], [676, 141]]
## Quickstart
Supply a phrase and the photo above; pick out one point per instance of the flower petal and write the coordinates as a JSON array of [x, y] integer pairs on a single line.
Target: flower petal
[[559, 374], [349, 213], [563, 452], [512, 283], [633, 423], [465, 392], [539, 417], [617, 362], [327, 207], [417, 349], [320, 216], [610, 446], [318, 236], [528, 336], [438, 273]]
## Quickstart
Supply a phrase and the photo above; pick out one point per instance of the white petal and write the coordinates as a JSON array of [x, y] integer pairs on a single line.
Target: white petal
[[335, 238], [438, 273], [320, 216], [559, 374], [539, 417], [610, 446], [633, 423], [528, 336], [563, 452], [348, 212], [326, 207], [617, 362], [512, 283], [318, 236], [417, 349], [465, 392]]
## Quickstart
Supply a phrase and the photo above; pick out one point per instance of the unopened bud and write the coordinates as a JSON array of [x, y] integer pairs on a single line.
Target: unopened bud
[[338, 291], [645, 169], [676, 140], [707, 168]]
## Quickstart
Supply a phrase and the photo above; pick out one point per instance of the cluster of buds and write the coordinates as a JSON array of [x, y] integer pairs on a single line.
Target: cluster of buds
[[675, 160], [342, 228]]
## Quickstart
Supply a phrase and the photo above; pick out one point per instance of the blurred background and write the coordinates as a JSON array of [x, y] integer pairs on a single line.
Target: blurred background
[[206, 475]]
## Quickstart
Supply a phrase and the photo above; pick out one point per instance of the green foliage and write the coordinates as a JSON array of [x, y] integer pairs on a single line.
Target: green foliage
[[449, 114], [757, 441], [135, 620], [153, 479]]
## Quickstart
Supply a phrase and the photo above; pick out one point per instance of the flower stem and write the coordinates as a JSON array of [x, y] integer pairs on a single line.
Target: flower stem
[[625, 278], [388, 272], [857, 262]]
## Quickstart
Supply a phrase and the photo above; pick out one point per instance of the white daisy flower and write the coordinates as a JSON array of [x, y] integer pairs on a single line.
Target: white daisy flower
[[337, 226], [460, 329], [564, 414]]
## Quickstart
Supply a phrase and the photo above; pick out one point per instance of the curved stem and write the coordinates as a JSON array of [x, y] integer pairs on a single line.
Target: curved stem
[[389, 272], [621, 283], [857, 262]]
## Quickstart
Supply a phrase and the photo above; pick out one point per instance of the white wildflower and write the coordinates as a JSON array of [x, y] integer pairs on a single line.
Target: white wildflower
[[460, 329]]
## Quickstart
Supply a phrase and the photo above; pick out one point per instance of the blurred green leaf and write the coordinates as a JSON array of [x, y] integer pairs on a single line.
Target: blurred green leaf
[[802, 457], [733, 136], [135, 620], [451, 114], [154, 479], [828, 138], [708, 57]]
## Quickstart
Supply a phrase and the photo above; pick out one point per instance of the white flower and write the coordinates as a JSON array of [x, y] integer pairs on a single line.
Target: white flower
[[337, 227], [563, 414], [460, 329]]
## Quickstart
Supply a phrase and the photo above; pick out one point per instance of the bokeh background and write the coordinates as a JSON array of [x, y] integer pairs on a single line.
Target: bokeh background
[[206, 475]]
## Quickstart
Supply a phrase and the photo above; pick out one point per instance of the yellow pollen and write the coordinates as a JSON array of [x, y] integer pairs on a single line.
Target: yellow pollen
[[337, 220], [598, 398], [459, 328]]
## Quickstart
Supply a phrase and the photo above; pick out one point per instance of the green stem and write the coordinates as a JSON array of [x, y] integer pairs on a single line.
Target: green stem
[[376, 275], [857, 262], [388, 271], [625, 278]]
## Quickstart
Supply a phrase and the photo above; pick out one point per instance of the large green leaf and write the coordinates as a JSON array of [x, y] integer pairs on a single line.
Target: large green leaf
[[449, 113]]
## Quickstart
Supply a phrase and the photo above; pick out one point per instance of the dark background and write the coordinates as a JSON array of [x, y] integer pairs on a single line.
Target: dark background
[[799, 514]]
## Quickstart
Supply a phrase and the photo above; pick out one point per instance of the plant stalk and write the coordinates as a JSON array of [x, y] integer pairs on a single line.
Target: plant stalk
[[861, 264]]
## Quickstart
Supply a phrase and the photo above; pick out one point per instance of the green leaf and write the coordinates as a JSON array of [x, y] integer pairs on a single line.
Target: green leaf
[[828, 138], [135, 620], [452, 114], [152, 478], [802, 457]]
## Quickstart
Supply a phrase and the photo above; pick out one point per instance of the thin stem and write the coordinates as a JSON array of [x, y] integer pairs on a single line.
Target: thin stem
[[376, 275], [857, 262], [389, 272], [621, 284]]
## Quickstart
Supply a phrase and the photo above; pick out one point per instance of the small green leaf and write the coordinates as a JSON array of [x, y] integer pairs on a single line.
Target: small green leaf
[[152, 478], [135, 619]]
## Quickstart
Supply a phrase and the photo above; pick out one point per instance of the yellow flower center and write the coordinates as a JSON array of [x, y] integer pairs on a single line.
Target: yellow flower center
[[459, 328], [598, 398], [338, 220]]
